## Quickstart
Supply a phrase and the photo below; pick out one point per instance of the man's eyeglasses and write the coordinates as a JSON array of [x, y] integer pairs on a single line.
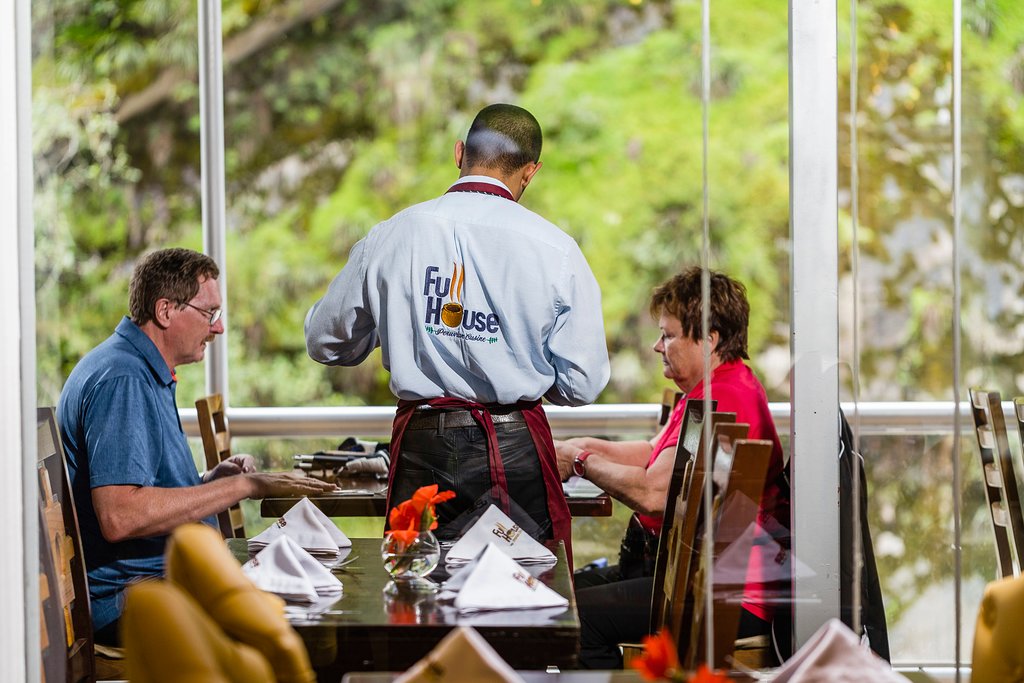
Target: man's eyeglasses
[[214, 314]]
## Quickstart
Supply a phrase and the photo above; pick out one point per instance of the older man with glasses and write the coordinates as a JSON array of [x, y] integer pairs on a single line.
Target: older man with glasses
[[132, 473]]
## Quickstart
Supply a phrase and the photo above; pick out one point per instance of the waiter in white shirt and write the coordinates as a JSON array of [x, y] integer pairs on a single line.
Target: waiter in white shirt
[[481, 309]]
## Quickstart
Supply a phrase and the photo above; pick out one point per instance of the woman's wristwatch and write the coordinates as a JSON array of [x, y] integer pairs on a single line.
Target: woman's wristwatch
[[579, 464]]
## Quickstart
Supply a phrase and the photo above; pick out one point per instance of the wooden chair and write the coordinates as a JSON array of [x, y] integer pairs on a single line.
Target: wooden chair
[[64, 592], [213, 427], [1018, 410], [682, 538], [669, 400], [999, 479], [690, 446], [735, 510], [739, 470]]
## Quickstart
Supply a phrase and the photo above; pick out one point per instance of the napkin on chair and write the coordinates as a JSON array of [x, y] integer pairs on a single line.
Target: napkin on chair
[[309, 527], [463, 655], [495, 581], [286, 569], [834, 654], [495, 527]]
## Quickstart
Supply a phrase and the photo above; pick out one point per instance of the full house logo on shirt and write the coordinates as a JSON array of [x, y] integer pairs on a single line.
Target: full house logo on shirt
[[451, 319]]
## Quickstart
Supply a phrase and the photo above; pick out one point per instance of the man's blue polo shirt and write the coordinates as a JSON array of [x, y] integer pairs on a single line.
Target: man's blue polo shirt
[[119, 423]]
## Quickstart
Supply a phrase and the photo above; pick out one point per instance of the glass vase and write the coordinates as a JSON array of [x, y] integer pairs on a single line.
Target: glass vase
[[410, 563]]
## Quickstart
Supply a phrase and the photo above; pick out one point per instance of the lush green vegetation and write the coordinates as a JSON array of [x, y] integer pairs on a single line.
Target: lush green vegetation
[[339, 113]]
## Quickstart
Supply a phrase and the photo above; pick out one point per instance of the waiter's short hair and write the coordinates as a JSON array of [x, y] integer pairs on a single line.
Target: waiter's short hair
[[680, 296], [503, 136], [172, 274]]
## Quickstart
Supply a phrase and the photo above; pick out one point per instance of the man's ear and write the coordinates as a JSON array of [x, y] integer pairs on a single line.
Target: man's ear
[[713, 340], [530, 171], [460, 151], [162, 313]]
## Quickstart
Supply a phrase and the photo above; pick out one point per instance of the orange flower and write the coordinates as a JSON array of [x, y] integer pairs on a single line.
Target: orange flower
[[659, 659], [706, 675], [417, 514]]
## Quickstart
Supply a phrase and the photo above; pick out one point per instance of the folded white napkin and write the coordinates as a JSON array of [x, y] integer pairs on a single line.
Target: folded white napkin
[[283, 567], [578, 487], [834, 654], [308, 526], [494, 526], [459, 574], [496, 581], [462, 655]]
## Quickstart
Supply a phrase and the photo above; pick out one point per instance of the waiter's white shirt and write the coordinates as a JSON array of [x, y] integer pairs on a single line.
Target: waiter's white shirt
[[531, 322]]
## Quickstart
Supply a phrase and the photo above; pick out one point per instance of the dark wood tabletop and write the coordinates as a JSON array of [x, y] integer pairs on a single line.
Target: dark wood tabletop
[[365, 497], [367, 630]]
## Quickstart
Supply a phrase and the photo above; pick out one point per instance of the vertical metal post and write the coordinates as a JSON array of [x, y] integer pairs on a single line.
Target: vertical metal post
[[19, 568], [957, 301], [211, 136], [814, 330]]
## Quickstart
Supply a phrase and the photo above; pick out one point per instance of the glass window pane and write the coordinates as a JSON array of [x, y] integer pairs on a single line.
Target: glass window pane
[[116, 151]]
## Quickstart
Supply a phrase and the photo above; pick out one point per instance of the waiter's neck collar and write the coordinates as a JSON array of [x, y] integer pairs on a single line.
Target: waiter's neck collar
[[482, 184]]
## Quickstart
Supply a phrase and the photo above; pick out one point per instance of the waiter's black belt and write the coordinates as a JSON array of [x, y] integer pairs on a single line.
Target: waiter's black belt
[[450, 419]]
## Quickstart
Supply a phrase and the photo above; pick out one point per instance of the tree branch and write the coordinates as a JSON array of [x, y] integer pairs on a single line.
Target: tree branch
[[253, 39]]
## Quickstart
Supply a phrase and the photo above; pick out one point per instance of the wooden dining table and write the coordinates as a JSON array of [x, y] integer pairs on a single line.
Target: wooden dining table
[[367, 497], [369, 630]]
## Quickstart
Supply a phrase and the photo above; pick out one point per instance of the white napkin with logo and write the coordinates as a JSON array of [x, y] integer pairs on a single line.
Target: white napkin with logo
[[494, 526], [496, 581], [458, 575], [307, 525], [834, 654], [462, 655], [285, 568]]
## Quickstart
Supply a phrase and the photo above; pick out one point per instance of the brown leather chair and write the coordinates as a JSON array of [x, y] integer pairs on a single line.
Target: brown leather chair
[[199, 562], [169, 637], [997, 655], [213, 427]]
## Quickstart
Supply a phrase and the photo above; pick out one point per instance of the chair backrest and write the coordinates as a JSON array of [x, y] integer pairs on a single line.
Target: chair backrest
[[199, 562], [64, 590], [735, 507], [688, 521], [1018, 410], [689, 446], [166, 633], [669, 399], [999, 479], [213, 427], [695, 447], [680, 540]]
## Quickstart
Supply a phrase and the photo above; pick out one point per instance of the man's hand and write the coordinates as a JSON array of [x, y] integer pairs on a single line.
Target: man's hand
[[286, 484], [242, 463], [565, 453]]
